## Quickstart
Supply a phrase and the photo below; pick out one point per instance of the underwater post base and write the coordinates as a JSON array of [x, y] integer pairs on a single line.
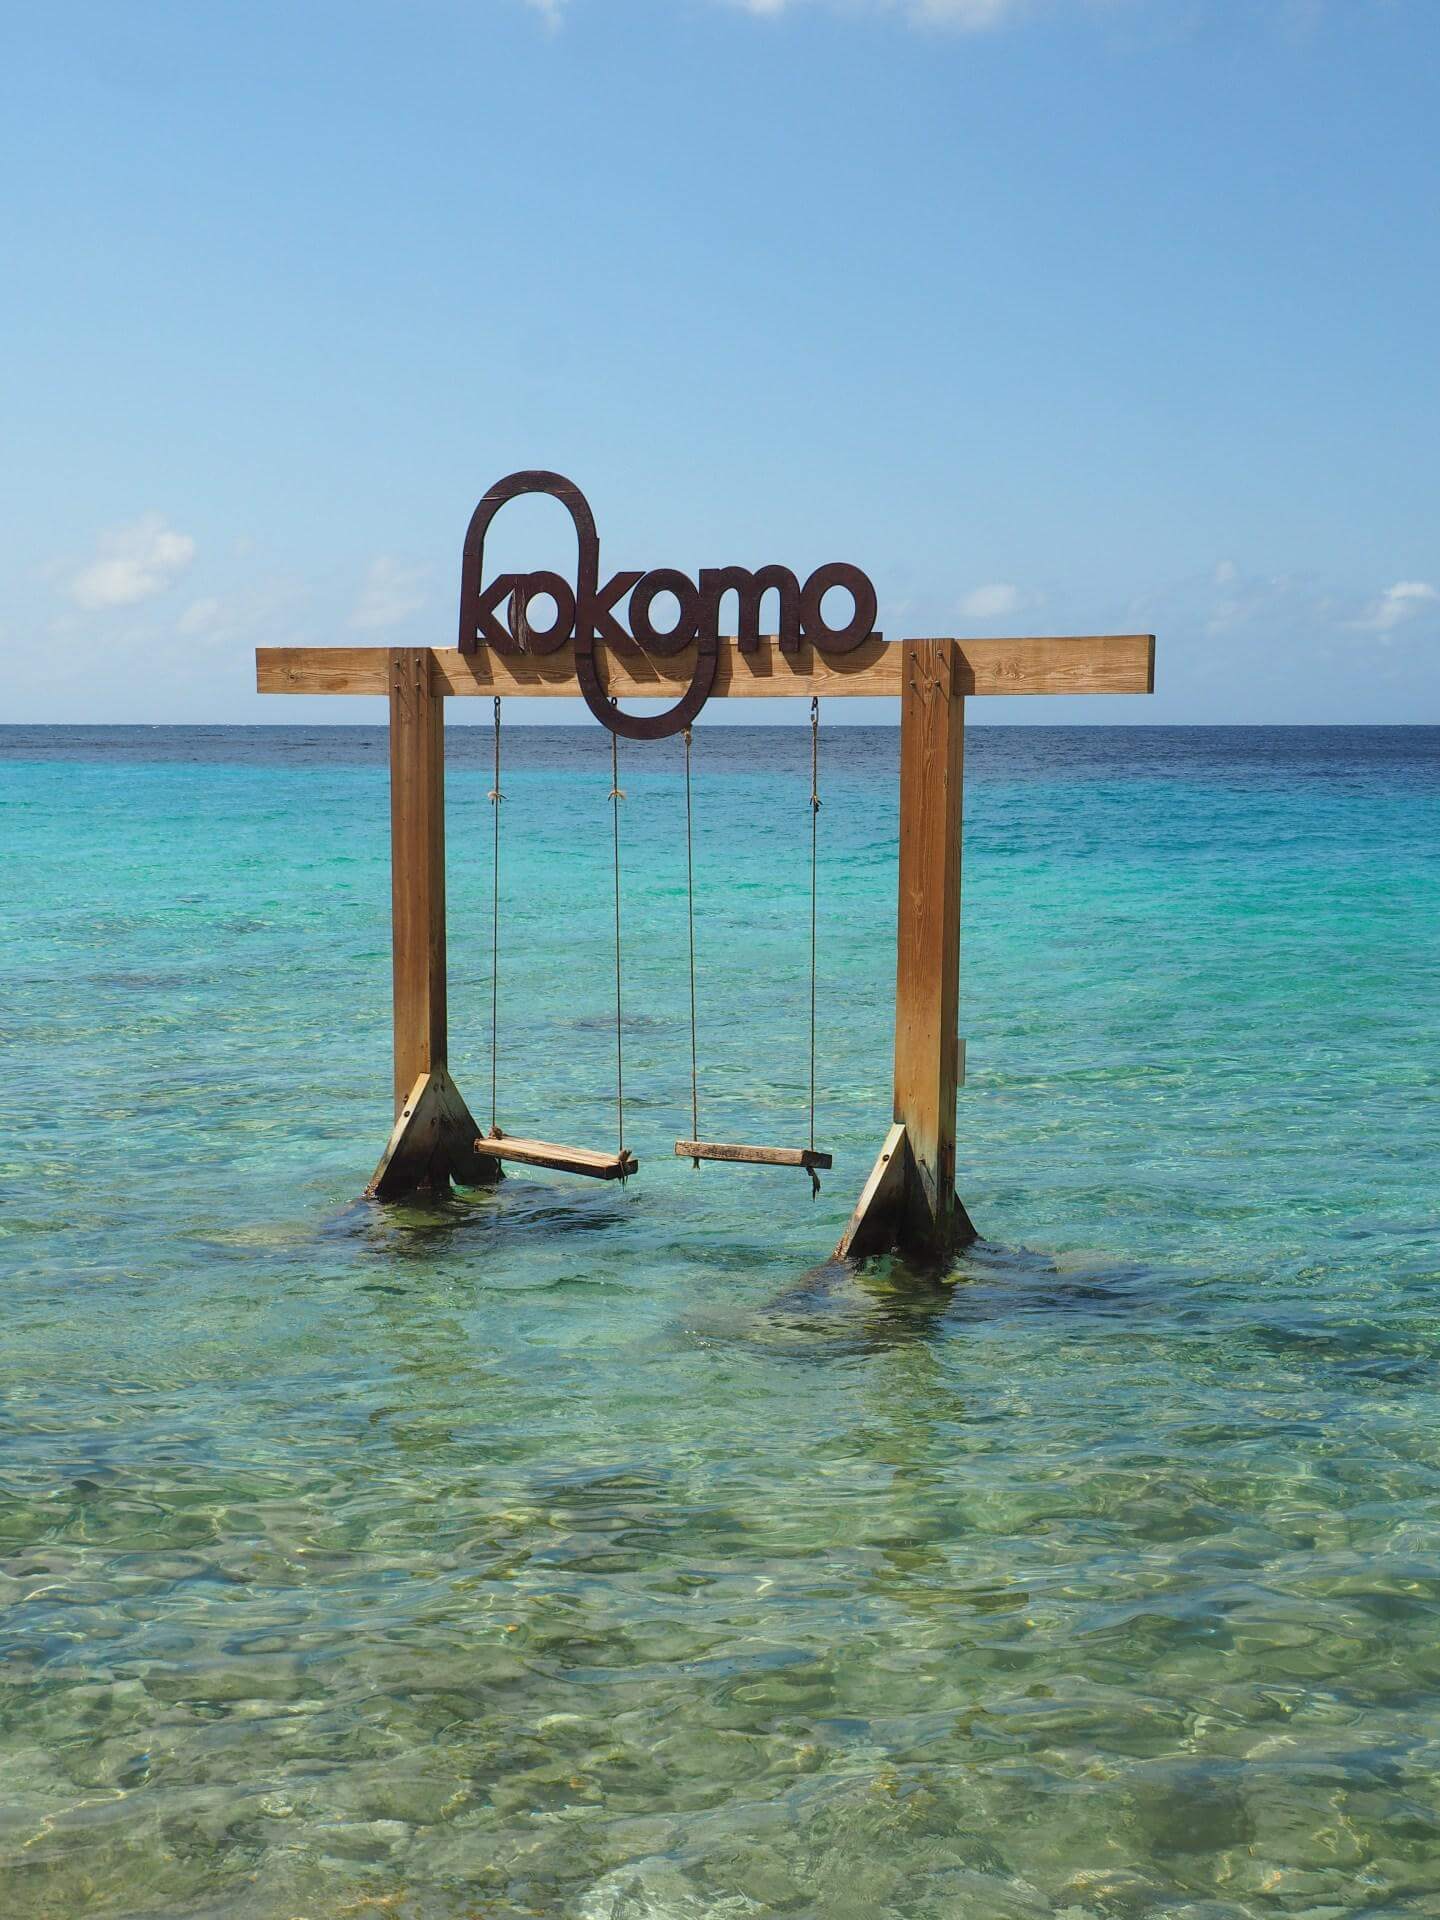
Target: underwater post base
[[433, 1143], [897, 1211]]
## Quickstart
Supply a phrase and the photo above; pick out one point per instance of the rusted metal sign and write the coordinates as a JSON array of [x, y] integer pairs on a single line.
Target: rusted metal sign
[[589, 611]]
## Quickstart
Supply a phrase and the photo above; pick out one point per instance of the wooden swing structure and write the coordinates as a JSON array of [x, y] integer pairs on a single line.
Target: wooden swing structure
[[810, 1157], [909, 1202], [498, 1146]]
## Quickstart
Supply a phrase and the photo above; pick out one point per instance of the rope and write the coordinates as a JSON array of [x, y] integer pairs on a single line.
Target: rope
[[690, 903], [496, 796], [616, 796], [814, 905]]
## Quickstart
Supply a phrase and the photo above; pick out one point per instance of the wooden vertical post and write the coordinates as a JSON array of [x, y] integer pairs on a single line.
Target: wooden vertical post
[[417, 867], [434, 1136], [927, 980]]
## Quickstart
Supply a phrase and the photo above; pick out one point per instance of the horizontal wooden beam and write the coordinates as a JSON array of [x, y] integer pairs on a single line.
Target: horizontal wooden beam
[[1091, 663]]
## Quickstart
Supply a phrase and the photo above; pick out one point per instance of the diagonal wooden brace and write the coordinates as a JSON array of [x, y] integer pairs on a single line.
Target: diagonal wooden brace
[[892, 1202], [433, 1143], [880, 1211]]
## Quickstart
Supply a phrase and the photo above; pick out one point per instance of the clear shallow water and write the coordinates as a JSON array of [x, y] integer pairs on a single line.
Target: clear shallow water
[[569, 1551]]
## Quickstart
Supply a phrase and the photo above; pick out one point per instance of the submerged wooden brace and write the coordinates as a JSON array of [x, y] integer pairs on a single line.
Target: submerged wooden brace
[[760, 1156], [909, 1201]]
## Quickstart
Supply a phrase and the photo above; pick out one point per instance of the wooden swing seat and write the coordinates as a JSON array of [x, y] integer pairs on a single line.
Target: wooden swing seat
[[545, 1153], [761, 1156]]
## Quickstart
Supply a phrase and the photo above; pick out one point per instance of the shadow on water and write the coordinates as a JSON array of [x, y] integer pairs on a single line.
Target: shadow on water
[[835, 1308], [842, 1307], [422, 1222]]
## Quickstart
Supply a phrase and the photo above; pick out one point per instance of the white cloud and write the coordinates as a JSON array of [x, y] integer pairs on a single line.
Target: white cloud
[[132, 563], [1397, 604], [256, 610], [1236, 644], [998, 600], [390, 594], [1238, 600], [200, 617], [970, 16]]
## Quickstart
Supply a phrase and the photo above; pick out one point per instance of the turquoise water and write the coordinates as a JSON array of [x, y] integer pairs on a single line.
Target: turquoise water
[[571, 1550]]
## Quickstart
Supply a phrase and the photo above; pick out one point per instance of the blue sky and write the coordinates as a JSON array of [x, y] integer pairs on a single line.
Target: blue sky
[[1054, 315]]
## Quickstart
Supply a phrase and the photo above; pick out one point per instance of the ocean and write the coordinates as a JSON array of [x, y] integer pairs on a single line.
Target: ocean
[[580, 1550]]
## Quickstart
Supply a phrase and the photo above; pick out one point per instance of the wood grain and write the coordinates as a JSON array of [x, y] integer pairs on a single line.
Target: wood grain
[[417, 866], [759, 1156], [879, 1212], [560, 1159], [432, 1142], [927, 969], [412, 1151], [1090, 663], [458, 1133]]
